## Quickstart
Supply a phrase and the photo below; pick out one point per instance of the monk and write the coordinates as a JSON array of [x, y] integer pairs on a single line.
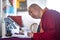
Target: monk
[[49, 25]]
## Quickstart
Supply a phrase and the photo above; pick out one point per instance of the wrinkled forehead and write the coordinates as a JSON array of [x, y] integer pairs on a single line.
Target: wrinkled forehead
[[31, 9]]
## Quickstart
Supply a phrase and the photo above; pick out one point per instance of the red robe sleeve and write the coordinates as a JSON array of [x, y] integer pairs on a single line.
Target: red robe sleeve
[[49, 30]]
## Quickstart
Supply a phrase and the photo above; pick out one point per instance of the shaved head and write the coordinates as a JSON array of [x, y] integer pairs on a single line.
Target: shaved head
[[35, 6], [34, 11]]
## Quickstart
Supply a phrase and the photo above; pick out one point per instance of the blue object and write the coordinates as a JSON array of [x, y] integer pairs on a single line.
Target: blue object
[[9, 21], [9, 10]]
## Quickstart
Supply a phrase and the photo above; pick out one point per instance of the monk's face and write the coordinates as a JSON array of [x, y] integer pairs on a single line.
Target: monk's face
[[34, 13]]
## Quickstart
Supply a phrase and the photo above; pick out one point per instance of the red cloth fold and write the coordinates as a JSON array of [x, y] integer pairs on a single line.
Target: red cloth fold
[[51, 26]]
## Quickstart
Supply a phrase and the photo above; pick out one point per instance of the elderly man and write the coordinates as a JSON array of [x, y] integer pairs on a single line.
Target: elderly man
[[50, 23]]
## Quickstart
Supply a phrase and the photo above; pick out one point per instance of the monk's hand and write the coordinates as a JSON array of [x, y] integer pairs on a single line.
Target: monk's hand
[[41, 30], [30, 34]]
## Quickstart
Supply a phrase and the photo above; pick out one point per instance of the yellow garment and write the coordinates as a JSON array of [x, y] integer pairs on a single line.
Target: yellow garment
[[18, 3]]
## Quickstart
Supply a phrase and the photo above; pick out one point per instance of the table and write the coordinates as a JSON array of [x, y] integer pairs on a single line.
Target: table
[[15, 38]]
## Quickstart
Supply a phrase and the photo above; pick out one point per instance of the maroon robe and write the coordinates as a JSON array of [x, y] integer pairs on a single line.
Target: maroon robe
[[51, 26]]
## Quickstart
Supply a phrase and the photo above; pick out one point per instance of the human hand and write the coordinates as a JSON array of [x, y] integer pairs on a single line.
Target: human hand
[[41, 30], [30, 34]]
